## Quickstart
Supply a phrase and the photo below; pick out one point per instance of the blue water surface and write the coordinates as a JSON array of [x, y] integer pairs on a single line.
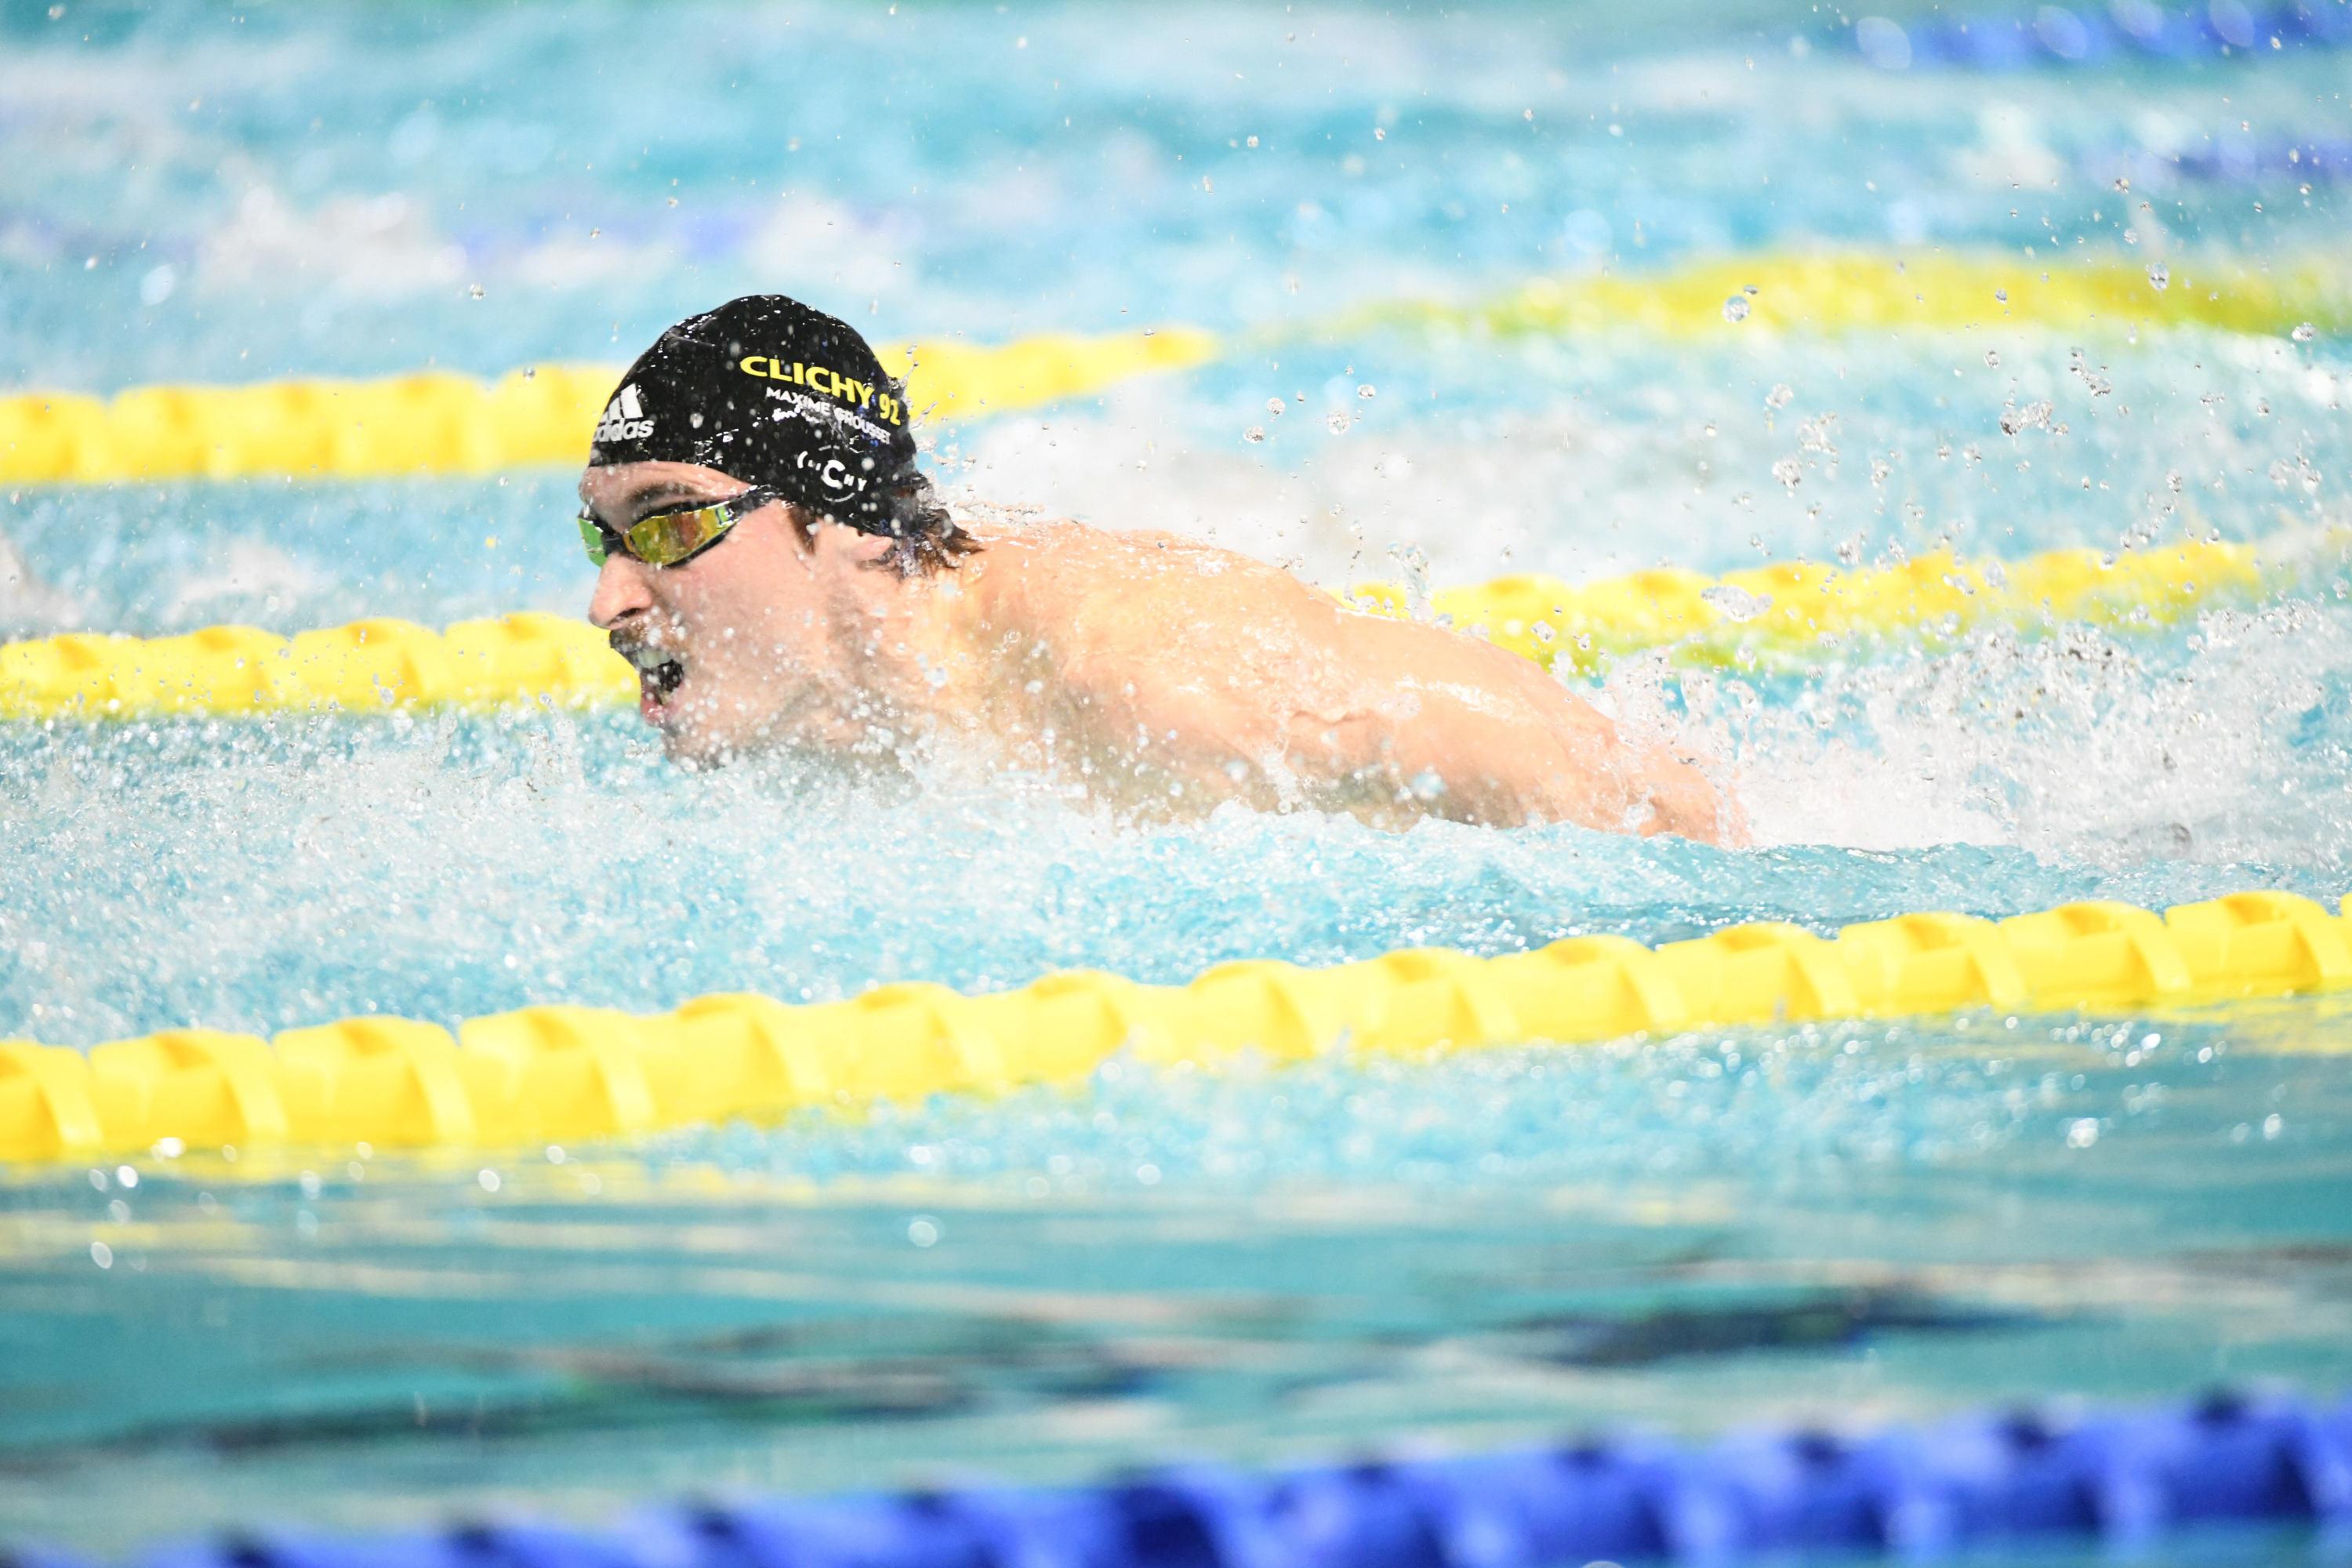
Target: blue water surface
[[1836, 1224]]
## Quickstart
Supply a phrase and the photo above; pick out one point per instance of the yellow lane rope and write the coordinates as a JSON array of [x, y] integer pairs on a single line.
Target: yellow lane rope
[[1797, 611], [1783, 612], [564, 1073], [438, 422], [443, 423], [1861, 292]]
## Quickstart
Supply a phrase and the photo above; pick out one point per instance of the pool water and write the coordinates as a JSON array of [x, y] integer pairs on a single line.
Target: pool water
[[1844, 1223]]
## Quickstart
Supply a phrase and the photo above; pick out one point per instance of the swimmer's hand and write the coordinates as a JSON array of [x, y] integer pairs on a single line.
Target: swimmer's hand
[[1685, 802]]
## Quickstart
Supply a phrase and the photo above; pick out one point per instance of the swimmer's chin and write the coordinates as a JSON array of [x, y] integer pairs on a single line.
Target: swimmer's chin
[[778, 753], [689, 739], [695, 731]]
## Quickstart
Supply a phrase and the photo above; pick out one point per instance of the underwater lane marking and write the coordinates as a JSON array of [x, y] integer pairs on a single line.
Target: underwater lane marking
[[1785, 615], [565, 1074], [440, 423]]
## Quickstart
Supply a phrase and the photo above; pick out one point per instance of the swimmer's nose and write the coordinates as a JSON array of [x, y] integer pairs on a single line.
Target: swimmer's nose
[[621, 592]]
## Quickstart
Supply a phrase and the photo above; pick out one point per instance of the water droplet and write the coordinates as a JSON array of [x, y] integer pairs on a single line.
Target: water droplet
[[1992, 358], [1779, 396], [2159, 276], [1255, 434], [2082, 1133], [101, 1255], [1339, 423], [1736, 308], [2034, 416], [1368, 390], [1734, 603], [475, 290], [1274, 405], [923, 1231], [2305, 333], [1378, 134], [2001, 295]]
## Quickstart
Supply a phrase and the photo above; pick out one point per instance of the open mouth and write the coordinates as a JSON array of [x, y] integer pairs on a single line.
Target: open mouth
[[659, 673]]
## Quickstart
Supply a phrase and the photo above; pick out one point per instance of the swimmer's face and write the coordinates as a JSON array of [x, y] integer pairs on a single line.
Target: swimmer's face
[[730, 646]]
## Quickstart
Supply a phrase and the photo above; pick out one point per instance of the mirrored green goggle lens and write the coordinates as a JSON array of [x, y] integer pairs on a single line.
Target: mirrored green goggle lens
[[668, 537], [663, 538]]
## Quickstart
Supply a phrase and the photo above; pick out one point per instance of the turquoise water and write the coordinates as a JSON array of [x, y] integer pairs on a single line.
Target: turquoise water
[[1842, 1224]]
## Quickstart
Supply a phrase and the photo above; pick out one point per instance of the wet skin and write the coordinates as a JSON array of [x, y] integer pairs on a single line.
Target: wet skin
[[1161, 675]]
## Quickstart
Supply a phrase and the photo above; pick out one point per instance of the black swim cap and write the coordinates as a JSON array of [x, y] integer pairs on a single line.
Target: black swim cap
[[774, 394]]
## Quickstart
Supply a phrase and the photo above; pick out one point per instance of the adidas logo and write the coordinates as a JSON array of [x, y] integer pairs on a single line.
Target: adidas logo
[[625, 418]]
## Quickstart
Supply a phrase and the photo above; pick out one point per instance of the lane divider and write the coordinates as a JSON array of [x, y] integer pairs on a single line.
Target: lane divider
[[563, 1074], [2088, 33], [2000, 1481], [2322, 161], [1927, 291], [440, 423], [1794, 613], [1788, 612], [437, 422]]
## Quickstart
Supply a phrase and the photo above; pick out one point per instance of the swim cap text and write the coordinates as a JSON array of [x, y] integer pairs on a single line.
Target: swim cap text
[[825, 379]]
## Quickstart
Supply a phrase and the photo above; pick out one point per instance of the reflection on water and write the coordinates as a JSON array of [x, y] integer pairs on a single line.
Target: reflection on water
[[1848, 1224]]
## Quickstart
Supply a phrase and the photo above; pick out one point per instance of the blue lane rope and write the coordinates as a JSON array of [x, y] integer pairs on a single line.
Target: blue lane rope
[[2117, 1477], [2090, 34], [2240, 162]]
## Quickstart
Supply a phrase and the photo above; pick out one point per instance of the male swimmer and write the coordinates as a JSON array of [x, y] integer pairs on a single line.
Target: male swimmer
[[782, 575]]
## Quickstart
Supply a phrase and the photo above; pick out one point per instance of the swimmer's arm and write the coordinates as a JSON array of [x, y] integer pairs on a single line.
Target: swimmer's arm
[[1659, 791], [1514, 745], [1227, 723]]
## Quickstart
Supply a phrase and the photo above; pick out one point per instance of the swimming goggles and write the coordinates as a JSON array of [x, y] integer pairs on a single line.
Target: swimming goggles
[[673, 537]]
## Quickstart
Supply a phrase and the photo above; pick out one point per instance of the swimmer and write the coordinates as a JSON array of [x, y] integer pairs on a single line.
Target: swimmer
[[782, 577]]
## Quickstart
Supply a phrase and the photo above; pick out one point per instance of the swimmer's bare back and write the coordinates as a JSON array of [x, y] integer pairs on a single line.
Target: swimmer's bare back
[[1177, 674]]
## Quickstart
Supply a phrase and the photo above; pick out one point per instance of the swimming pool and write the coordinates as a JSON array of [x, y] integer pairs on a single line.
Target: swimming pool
[[1762, 1225]]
